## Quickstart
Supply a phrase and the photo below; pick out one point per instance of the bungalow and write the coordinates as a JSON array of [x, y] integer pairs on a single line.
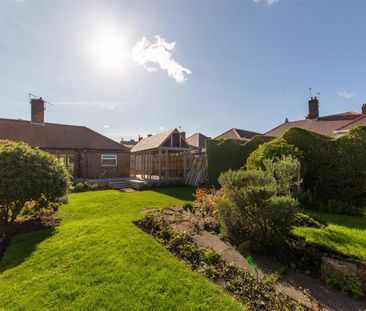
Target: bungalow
[[331, 125], [197, 142], [85, 153], [235, 133]]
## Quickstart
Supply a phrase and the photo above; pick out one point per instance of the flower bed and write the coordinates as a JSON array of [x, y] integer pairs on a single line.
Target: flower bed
[[254, 293]]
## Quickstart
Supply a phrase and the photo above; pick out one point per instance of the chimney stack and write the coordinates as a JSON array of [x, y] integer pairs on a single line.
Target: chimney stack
[[37, 109], [364, 109], [313, 108]]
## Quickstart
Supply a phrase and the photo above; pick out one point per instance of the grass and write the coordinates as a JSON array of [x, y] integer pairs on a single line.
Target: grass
[[345, 234], [98, 260]]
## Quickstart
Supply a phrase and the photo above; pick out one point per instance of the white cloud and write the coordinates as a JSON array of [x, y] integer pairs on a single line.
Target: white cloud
[[345, 94], [106, 126], [161, 128], [149, 55], [269, 2]]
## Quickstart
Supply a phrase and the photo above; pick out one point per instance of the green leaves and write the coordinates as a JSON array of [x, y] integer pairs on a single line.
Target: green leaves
[[27, 174], [252, 210], [274, 150]]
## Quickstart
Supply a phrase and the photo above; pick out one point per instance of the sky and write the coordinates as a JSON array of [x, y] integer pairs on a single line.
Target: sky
[[129, 68]]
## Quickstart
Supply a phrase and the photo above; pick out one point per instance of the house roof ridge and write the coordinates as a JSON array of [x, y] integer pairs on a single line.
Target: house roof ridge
[[351, 122], [149, 141], [57, 135]]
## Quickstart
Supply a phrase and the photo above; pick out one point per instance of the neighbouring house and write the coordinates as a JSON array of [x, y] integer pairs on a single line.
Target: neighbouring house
[[235, 133], [86, 153], [162, 156], [330, 125], [197, 142], [129, 143], [360, 121]]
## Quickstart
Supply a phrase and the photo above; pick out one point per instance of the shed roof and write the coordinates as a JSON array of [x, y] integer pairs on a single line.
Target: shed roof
[[54, 136], [154, 141]]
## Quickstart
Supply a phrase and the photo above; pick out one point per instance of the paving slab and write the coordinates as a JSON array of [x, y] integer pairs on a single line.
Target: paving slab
[[206, 239]]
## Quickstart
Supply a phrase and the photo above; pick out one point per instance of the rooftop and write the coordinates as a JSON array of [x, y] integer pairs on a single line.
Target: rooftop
[[52, 135]]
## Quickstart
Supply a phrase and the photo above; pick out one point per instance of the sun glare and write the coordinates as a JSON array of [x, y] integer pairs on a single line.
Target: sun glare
[[109, 50]]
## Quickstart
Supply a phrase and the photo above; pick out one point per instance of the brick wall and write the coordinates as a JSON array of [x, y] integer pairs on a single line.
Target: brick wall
[[88, 163], [92, 167]]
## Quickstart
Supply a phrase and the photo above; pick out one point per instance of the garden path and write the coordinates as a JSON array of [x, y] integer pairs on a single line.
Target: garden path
[[319, 295], [307, 290]]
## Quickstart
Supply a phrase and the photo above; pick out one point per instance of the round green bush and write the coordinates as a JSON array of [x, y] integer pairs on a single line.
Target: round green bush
[[27, 174], [251, 210], [273, 150]]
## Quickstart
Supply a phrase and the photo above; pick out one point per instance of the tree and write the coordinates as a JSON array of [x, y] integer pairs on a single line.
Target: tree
[[27, 174]]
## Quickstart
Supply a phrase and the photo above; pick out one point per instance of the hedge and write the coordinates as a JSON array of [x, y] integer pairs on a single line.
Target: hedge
[[344, 176], [229, 154], [333, 170], [315, 150]]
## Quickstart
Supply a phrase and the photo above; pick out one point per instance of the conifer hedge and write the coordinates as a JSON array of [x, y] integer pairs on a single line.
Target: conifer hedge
[[223, 155], [333, 170], [315, 151]]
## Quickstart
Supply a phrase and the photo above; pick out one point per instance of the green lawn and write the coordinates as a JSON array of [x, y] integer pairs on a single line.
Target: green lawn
[[345, 234], [98, 260]]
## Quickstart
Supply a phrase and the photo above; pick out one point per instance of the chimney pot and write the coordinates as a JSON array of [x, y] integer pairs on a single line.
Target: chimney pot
[[37, 110]]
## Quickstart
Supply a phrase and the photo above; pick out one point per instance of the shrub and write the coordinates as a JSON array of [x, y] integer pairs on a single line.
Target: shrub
[[84, 186], [303, 220], [286, 171], [251, 209], [42, 205], [347, 284], [27, 174], [273, 150], [205, 202], [217, 152], [205, 206], [296, 252]]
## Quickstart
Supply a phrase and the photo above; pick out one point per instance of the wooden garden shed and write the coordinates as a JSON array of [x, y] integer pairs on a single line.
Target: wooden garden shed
[[166, 155]]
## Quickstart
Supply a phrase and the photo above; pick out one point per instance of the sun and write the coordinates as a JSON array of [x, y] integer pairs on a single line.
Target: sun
[[109, 49]]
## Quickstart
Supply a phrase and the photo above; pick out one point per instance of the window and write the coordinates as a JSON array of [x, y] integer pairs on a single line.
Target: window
[[68, 160], [109, 160]]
